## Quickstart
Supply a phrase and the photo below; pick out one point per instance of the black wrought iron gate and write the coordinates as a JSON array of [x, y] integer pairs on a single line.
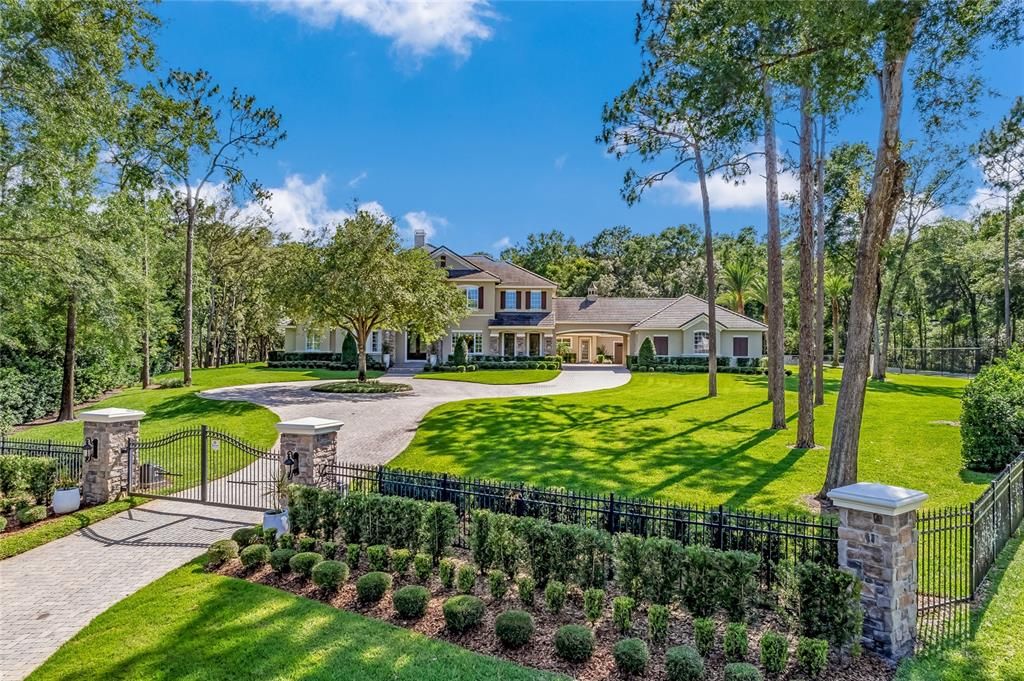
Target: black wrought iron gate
[[205, 466]]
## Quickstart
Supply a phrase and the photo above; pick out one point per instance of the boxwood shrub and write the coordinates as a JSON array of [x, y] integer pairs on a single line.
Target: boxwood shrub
[[704, 635], [372, 586], [31, 514], [462, 613], [221, 551], [812, 656], [279, 560], [574, 643], [736, 643], [683, 663], [411, 601], [514, 628], [245, 536], [774, 652], [255, 555], [329, 574], [992, 416], [657, 623], [303, 563], [631, 656], [741, 671]]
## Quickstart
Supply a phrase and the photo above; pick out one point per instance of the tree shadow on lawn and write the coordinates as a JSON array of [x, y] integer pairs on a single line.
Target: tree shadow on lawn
[[191, 407], [228, 628]]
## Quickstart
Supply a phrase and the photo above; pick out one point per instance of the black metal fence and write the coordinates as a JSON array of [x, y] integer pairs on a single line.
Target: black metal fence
[[956, 548], [69, 456], [775, 537]]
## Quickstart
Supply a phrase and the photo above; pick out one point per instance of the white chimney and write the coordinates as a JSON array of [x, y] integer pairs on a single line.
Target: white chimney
[[592, 292], [420, 238]]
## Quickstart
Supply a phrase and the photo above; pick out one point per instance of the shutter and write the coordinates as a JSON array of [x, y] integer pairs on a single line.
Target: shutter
[[480, 297], [661, 345], [543, 300], [529, 295], [519, 300]]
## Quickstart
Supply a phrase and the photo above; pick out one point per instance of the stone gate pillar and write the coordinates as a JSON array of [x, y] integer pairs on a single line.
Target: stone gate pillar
[[878, 543], [105, 474], [309, 443]]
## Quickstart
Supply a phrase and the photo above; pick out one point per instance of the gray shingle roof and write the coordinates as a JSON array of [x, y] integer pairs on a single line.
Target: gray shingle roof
[[543, 320], [507, 273], [607, 310], [685, 308], [471, 274]]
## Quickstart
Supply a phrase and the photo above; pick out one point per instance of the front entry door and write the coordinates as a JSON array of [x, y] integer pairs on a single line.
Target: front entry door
[[533, 345], [739, 346], [416, 347], [618, 353], [584, 350], [508, 344]]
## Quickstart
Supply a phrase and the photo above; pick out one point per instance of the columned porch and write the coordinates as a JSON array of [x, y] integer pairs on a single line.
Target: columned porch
[[587, 344], [521, 342]]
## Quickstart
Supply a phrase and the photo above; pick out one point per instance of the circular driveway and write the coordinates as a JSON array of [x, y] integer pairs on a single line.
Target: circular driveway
[[378, 427]]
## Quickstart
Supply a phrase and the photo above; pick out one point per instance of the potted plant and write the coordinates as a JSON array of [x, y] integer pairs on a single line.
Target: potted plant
[[276, 518], [386, 355], [68, 497]]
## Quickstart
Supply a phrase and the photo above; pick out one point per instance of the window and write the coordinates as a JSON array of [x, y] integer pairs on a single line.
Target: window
[[536, 300], [474, 341], [473, 297], [312, 340], [661, 346], [700, 342], [508, 300], [373, 344], [444, 261]]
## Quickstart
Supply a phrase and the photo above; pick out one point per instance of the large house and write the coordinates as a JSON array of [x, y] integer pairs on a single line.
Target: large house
[[515, 312]]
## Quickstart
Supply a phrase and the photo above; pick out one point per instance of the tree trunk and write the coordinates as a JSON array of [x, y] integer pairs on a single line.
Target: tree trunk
[[878, 363], [709, 259], [819, 257], [808, 353], [773, 307], [884, 197], [1006, 273], [67, 384], [835, 332], [186, 335], [144, 377]]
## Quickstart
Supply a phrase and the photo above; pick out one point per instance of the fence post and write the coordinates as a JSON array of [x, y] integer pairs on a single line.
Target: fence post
[[204, 462], [106, 473], [310, 443], [878, 543], [444, 488], [611, 512]]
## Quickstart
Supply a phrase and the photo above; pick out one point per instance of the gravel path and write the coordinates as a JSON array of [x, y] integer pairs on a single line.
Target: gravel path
[[378, 427]]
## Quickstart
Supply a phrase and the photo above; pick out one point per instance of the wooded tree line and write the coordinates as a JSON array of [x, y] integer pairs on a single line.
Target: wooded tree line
[[129, 229]]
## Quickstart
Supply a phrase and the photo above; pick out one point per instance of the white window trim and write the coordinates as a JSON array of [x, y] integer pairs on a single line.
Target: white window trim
[[471, 348], [696, 350], [540, 300], [505, 300], [311, 335], [472, 302], [373, 342]]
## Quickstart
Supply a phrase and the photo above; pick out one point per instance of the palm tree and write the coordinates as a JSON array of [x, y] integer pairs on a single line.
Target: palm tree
[[836, 288], [739, 278]]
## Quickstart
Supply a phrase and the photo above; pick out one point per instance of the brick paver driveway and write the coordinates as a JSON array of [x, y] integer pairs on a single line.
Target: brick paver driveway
[[48, 594], [378, 427]]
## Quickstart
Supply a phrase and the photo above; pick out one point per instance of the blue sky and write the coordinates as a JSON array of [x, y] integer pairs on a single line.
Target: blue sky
[[475, 121]]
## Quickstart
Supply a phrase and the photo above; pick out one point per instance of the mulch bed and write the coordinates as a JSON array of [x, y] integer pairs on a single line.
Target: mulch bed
[[540, 652]]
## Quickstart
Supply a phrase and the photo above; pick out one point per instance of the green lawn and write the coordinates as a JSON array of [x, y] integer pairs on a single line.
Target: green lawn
[[170, 409], [996, 651], [659, 435], [194, 625], [13, 543], [496, 376]]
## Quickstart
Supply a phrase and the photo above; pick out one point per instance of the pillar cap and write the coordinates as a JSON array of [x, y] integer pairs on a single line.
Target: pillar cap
[[310, 425], [875, 497], [111, 415]]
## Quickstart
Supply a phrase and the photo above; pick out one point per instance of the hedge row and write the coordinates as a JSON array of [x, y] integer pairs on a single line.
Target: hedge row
[[371, 364], [32, 475], [462, 368]]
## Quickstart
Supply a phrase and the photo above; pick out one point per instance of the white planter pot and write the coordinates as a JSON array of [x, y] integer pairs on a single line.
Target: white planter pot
[[276, 520], [433, 360], [67, 500], [387, 359]]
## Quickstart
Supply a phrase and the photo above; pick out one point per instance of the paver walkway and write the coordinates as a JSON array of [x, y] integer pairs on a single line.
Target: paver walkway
[[378, 427], [48, 594]]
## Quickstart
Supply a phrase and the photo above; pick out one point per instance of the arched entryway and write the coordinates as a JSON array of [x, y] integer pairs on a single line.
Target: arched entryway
[[592, 346]]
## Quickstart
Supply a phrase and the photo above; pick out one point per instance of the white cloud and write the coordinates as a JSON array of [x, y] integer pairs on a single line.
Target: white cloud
[[420, 219], [748, 191], [560, 161], [354, 182], [299, 206], [415, 28], [501, 244], [983, 199]]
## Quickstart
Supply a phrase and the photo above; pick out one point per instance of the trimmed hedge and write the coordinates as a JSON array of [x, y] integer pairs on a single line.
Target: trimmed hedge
[[372, 586], [514, 628], [279, 560], [574, 643], [682, 663], [462, 613], [992, 417], [303, 563], [329, 574], [255, 555], [36, 475], [221, 551], [411, 601], [631, 656]]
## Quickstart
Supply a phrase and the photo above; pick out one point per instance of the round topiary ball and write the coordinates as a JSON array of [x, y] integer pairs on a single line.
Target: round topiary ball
[[631, 656], [255, 555], [411, 601], [279, 560], [372, 586], [304, 562], [31, 514], [221, 551], [574, 643], [329, 574], [247, 535], [462, 613], [683, 663], [514, 628], [742, 671]]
